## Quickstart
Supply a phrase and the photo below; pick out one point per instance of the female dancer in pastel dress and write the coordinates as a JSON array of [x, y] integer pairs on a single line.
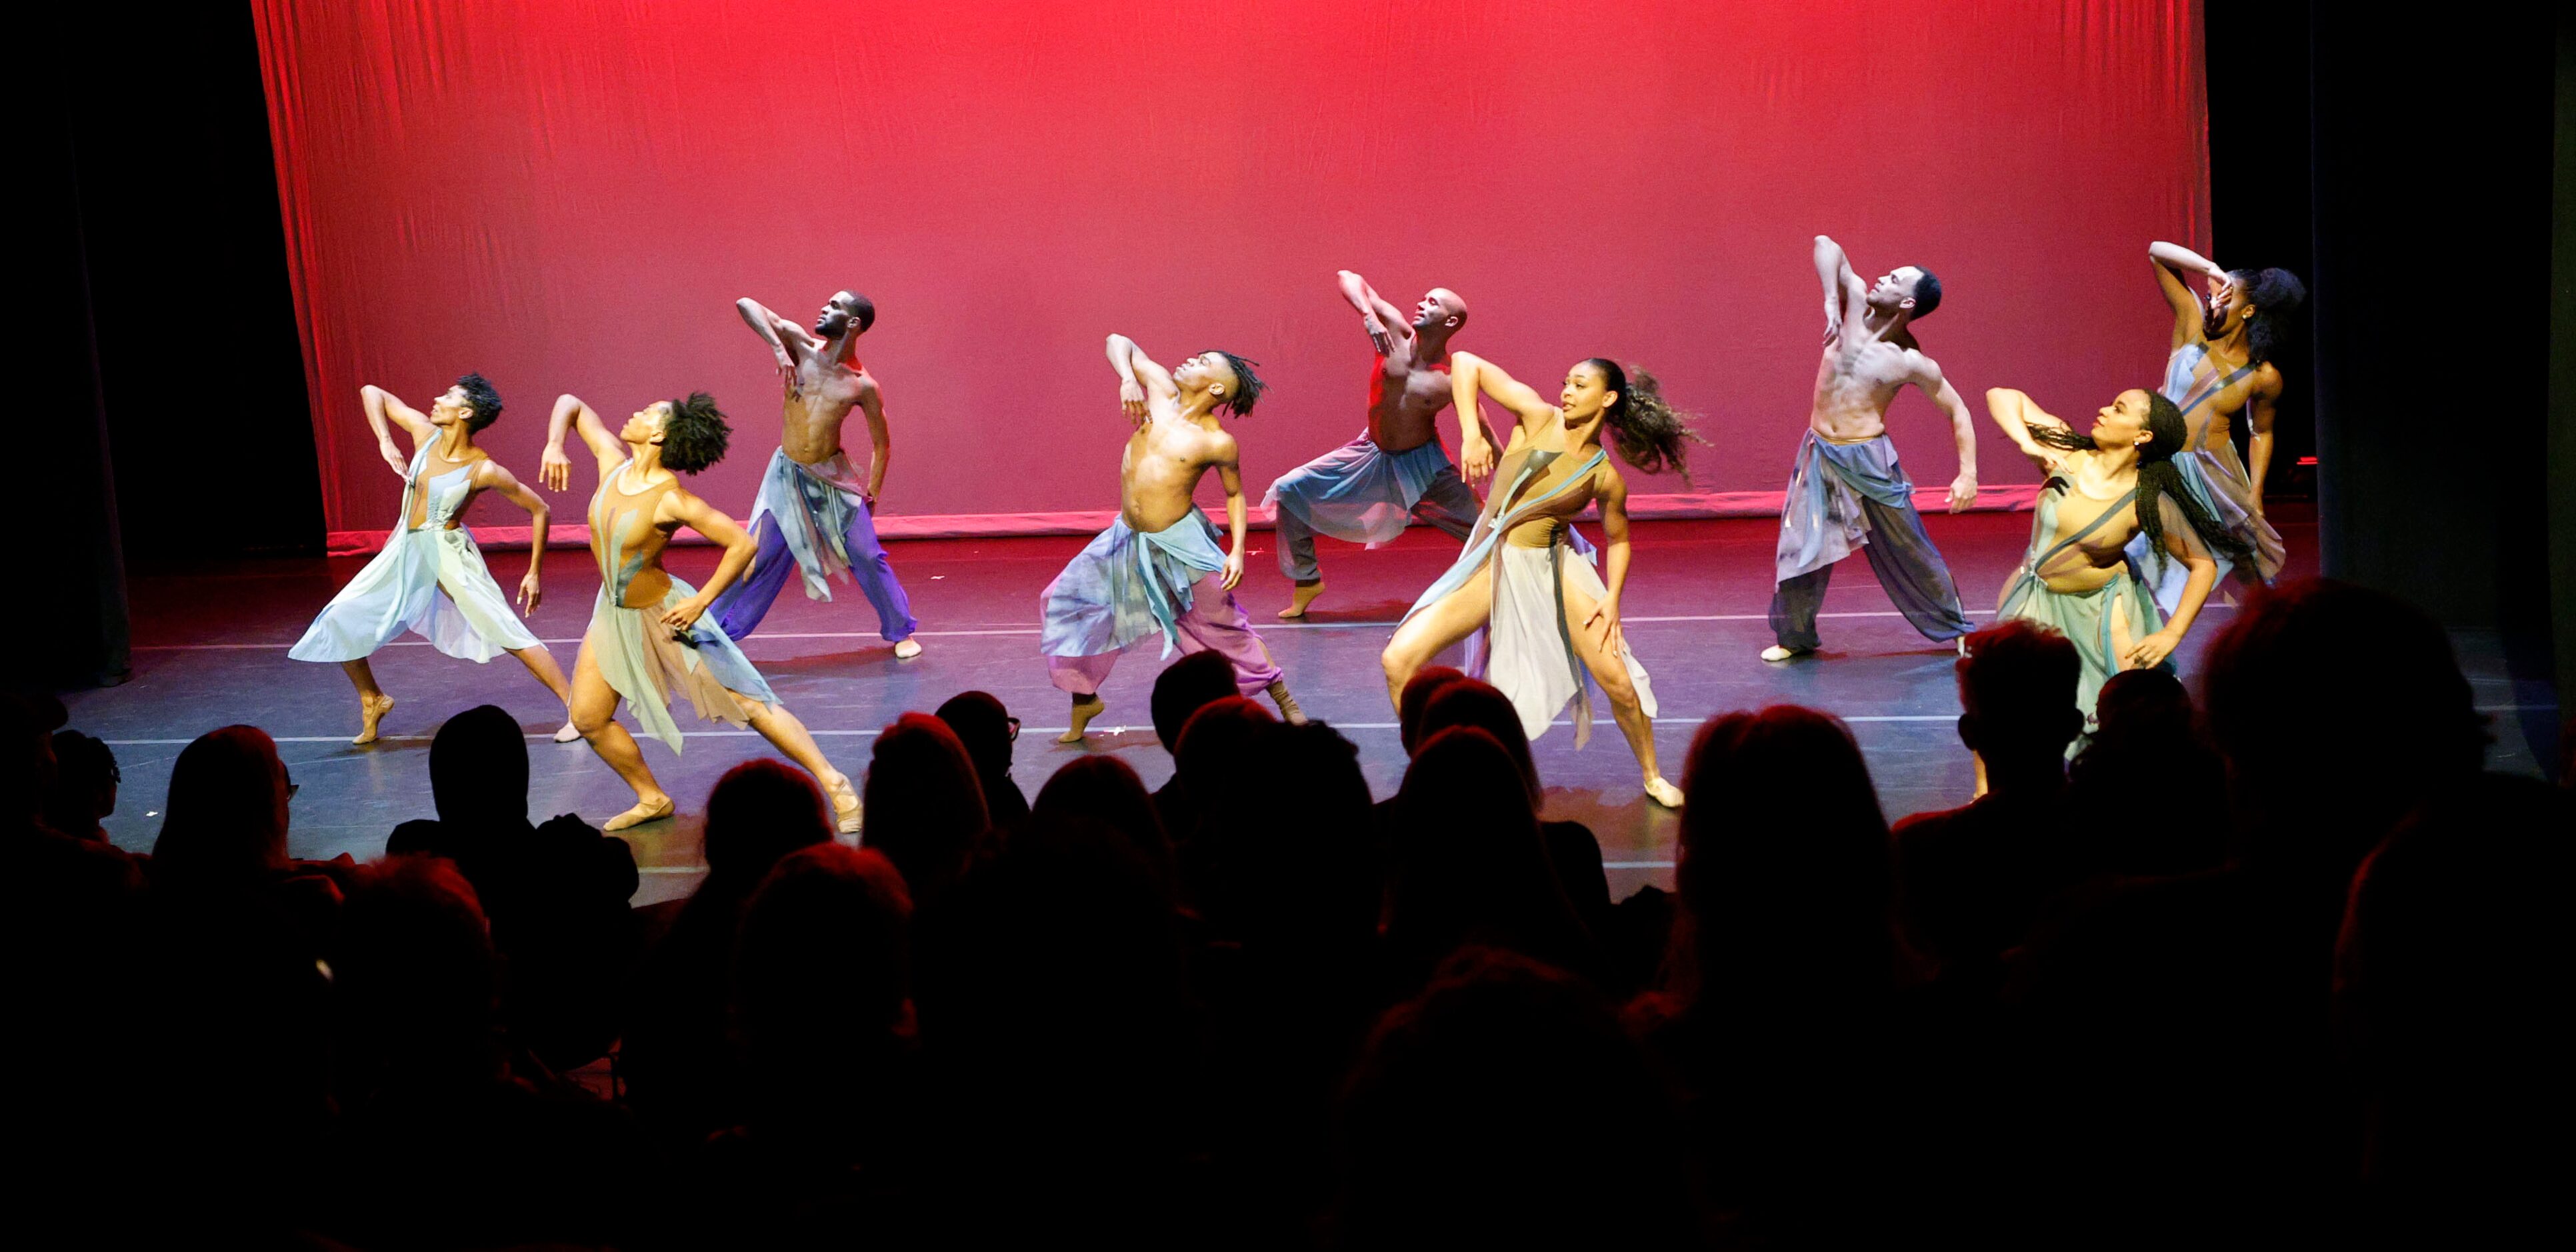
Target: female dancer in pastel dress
[[430, 578], [1543, 627], [2219, 371], [2105, 488], [647, 641]]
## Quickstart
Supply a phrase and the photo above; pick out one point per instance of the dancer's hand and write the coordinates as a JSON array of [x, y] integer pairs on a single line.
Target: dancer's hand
[[554, 468], [1605, 617], [2151, 651], [1963, 492], [1233, 569], [1476, 459], [528, 593], [685, 614], [1833, 319], [786, 370], [393, 456], [1131, 397]]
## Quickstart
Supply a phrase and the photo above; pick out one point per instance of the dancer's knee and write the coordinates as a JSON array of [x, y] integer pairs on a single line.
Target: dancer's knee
[[591, 722]]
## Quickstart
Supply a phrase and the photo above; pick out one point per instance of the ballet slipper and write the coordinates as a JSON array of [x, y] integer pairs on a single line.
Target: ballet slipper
[[1299, 597], [1082, 715], [1287, 703], [644, 811], [845, 806], [373, 709], [1663, 793], [907, 650], [568, 734], [1778, 653]]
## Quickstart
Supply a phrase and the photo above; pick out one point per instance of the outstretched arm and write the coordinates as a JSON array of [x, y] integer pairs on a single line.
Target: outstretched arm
[[382, 411], [556, 469], [2173, 261], [685, 508], [1963, 432], [1844, 293], [1386, 325], [1229, 471], [1471, 375], [2014, 412], [1138, 377], [489, 476]]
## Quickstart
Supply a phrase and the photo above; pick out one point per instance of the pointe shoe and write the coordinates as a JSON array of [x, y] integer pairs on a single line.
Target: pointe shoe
[[845, 816], [644, 811], [1287, 703], [1663, 793], [1082, 715], [1777, 653], [372, 712], [569, 734], [906, 650], [1299, 597]]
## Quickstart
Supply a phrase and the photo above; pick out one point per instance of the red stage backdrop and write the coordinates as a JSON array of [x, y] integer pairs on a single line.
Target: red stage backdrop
[[569, 194]]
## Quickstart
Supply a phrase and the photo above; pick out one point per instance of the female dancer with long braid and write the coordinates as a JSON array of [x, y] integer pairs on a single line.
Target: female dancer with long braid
[[1549, 624], [2117, 483]]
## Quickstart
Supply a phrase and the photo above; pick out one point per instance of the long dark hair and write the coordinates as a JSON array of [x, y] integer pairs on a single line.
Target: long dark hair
[[2272, 293], [1647, 430], [2158, 476]]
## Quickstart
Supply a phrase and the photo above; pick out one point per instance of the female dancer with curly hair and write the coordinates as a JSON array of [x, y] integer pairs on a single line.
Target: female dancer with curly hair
[[1545, 627]]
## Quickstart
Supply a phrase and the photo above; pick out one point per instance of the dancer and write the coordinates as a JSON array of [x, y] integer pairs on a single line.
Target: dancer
[[646, 640], [815, 513], [1157, 568], [430, 578], [1549, 623], [1847, 490], [2219, 369], [2118, 483], [1363, 491]]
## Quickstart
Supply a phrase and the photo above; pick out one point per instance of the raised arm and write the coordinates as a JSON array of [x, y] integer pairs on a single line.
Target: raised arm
[[880, 444], [1963, 431], [2014, 412], [1845, 294], [1228, 458], [1138, 377], [490, 476], [383, 412], [686, 509], [556, 468], [1471, 375], [1386, 326], [2173, 262]]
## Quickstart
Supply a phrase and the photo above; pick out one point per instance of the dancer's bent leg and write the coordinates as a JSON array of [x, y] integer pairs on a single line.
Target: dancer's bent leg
[[788, 734], [1610, 673], [1911, 569], [1444, 625], [1449, 504], [875, 576], [594, 714]]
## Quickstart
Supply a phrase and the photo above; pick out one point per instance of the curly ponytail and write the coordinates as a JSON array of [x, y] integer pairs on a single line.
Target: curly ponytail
[[1647, 430]]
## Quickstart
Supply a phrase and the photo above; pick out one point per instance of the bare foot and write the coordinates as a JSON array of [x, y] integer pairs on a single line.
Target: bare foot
[[1777, 653], [1663, 793], [1287, 703], [652, 810], [845, 804], [373, 710], [1083, 712], [907, 650], [1299, 597], [568, 734]]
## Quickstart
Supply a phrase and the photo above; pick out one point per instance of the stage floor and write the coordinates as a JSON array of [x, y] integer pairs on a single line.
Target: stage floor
[[211, 649]]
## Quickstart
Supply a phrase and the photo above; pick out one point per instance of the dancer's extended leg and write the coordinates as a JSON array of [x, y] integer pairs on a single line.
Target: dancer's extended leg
[[1916, 578], [542, 664], [788, 734], [875, 576], [1296, 552], [594, 714], [1444, 625], [739, 611], [1794, 603], [1610, 673], [373, 703]]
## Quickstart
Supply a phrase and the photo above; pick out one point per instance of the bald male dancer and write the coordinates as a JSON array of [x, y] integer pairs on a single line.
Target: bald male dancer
[[1157, 568], [1363, 491], [1847, 490], [815, 513]]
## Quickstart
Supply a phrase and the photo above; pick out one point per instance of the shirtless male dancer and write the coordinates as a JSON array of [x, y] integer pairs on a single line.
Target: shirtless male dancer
[[1363, 491], [1847, 490], [430, 578], [651, 637], [1157, 568], [814, 513]]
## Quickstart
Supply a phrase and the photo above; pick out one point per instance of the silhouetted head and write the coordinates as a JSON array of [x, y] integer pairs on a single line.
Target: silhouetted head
[[1469, 865], [415, 972], [1103, 789], [924, 804], [27, 767], [1440, 313], [983, 727], [2257, 300], [1225, 379], [85, 781], [2017, 692], [821, 967], [846, 313], [1469, 702], [471, 401], [1186, 686], [1416, 696], [1648, 432], [478, 767], [225, 821], [759, 811], [1908, 290], [2143, 698]]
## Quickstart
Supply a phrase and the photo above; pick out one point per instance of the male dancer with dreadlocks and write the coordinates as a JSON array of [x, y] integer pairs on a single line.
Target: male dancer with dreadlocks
[[2218, 368], [1847, 490], [815, 513], [1157, 568], [2105, 488], [1363, 491]]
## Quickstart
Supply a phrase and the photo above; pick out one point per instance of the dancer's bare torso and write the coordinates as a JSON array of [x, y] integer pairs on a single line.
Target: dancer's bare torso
[[819, 402], [1406, 397], [1163, 463], [1858, 377]]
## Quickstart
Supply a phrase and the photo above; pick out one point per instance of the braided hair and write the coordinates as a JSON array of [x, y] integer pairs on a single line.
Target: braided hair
[[2158, 476], [1247, 385], [1647, 429]]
